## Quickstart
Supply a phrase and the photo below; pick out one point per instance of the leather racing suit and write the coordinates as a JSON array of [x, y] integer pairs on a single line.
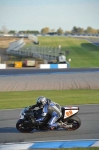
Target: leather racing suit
[[51, 109]]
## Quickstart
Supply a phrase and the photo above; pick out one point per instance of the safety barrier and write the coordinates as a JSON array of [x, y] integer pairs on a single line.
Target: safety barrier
[[50, 144], [53, 66], [36, 51], [42, 52], [2, 66]]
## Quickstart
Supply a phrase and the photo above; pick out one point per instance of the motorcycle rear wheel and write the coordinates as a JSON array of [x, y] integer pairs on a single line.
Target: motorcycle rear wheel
[[23, 128], [74, 121]]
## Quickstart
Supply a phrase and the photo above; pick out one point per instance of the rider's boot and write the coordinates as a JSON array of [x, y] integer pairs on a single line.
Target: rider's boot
[[60, 124], [51, 127], [65, 126]]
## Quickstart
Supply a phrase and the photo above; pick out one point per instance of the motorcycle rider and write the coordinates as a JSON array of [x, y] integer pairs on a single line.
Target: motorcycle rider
[[49, 108]]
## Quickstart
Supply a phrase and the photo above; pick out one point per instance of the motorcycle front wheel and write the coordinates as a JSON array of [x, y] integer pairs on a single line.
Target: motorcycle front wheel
[[74, 123], [22, 127]]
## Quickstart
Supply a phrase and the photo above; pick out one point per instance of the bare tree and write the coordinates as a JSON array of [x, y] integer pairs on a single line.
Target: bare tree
[[4, 29]]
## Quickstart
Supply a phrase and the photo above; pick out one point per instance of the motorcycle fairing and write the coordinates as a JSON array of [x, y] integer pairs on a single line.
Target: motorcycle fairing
[[69, 111]]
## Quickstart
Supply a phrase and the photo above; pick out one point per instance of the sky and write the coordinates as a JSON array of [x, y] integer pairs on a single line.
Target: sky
[[37, 14]]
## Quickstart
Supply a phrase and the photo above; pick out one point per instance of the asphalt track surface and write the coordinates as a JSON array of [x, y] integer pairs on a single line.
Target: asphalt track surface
[[89, 115], [33, 71]]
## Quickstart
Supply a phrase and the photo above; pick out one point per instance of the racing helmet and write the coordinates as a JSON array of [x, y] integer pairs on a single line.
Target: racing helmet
[[41, 101]]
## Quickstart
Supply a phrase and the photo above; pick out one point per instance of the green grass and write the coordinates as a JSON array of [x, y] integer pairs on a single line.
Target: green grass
[[82, 53], [91, 148], [9, 100]]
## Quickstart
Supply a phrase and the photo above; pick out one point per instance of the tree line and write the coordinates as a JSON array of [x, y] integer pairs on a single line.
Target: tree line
[[47, 30], [75, 30]]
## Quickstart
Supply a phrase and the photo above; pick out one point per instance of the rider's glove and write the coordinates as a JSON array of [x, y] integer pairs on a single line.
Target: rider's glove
[[44, 114], [30, 108]]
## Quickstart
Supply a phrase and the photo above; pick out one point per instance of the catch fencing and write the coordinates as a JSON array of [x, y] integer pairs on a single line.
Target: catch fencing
[[42, 52], [35, 51]]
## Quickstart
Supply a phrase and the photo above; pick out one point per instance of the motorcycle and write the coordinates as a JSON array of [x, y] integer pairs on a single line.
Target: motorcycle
[[27, 121]]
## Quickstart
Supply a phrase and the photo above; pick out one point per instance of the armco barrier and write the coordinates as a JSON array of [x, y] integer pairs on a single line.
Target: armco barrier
[[50, 144], [2, 66], [53, 66]]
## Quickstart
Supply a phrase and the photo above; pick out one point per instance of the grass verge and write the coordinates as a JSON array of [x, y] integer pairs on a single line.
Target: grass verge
[[91, 148], [10, 100], [82, 53]]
